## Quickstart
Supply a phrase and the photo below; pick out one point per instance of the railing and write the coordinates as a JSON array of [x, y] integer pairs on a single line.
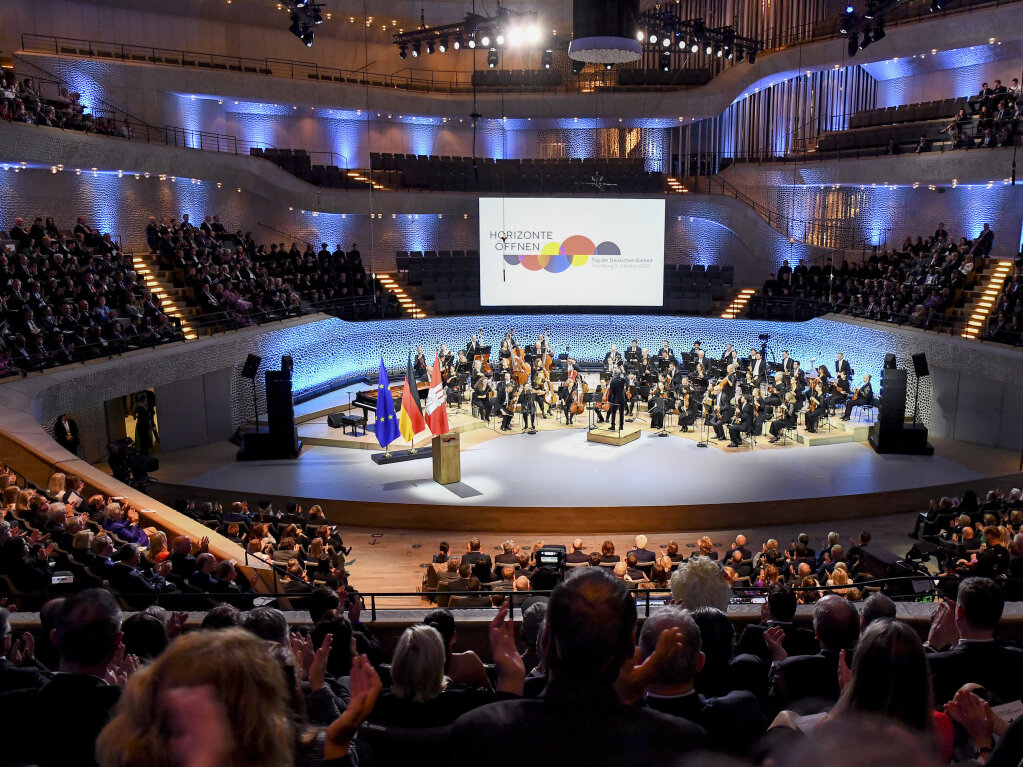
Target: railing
[[799, 309]]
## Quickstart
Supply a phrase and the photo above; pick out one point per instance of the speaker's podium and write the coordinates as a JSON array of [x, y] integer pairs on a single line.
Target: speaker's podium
[[447, 458]]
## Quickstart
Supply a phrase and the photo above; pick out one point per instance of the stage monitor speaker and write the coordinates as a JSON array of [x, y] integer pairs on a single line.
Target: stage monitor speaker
[[889, 361], [920, 365], [878, 563], [900, 440], [334, 420], [251, 366]]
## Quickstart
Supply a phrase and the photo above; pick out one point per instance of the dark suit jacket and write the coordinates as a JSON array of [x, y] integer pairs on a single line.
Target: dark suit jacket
[[798, 641], [615, 733], [843, 366], [29, 713], [576, 557], [14, 678], [616, 393], [472, 557], [806, 676], [995, 665], [61, 434], [734, 721]]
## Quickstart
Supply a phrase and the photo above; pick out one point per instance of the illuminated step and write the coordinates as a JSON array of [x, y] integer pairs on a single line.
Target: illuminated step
[[986, 302]]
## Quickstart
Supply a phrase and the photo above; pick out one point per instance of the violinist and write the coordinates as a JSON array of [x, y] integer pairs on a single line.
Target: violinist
[[481, 398], [815, 408], [839, 391], [862, 396], [701, 359], [798, 376], [631, 392], [673, 377], [822, 371], [743, 421], [722, 412], [686, 404], [612, 359], [539, 386], [506, 398], [656, 406], [796, 391], [633, 353], [760, 411], [785, 417], [598, 396], [527, 402], [700, 376], [644, 367], [445, 355], [419, 366], [728, 382]]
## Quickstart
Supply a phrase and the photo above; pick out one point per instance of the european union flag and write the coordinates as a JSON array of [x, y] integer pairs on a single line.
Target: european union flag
[[387, 422]]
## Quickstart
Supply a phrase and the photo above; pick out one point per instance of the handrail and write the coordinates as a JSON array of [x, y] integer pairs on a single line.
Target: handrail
[[801, 309]]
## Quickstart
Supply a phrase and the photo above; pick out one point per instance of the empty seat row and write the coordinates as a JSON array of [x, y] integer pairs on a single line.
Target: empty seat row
[[516, 78], [906, 113], [658, 77], [867, 138]]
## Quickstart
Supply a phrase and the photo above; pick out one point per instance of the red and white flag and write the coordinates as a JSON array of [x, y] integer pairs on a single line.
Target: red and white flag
[[436, 404]]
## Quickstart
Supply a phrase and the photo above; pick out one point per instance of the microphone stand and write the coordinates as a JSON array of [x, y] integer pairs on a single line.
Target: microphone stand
[[703, 433]]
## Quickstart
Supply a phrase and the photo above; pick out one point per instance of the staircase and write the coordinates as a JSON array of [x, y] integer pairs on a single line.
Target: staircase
[[408, 304], [734, 309], [172, 299], [983, 295]]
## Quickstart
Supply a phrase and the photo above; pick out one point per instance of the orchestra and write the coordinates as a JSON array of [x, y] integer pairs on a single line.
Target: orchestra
[[725, 395]]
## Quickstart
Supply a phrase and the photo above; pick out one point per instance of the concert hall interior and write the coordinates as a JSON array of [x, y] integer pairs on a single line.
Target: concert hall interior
[[724, 299]]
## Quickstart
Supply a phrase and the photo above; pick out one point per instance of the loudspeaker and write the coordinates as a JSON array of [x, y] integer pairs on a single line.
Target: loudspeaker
[[334, 420], [889, 361], [908, 440], [892, 411], [251, 366], [920, 365], [287, 364]]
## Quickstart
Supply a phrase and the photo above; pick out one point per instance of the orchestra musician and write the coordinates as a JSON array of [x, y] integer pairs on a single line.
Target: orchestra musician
[[687, 404], [612, 359], [758, 368], [862, 396], [633, 353], [481, 398], [539, 386], [722, 413], [815, 398], [842, 365], [598, 396], [822, 371], [700, 376], [645, 366], [666, 352], [701, 359], [527, 400], [506, 348], [727, 353], [786, 362], [777, 390], [656, 406], [631, 385], [472, 348], [728, 382], [696, 348], [419, 369], [785, 418], [463, 366], [796, 391], [744, 421], [616, 398], [506, 396], [761, 412], [839, 391], [444, 355], [570, 392], [798, 376]]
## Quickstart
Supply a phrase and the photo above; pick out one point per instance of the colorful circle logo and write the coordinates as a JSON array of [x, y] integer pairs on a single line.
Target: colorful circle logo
[[556, 257]]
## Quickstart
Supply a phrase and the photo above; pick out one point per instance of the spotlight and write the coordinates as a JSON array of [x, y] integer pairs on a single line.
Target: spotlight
[[683, 44], [695, 48], [665, 41], [500, 38], [854, 44], [416, 49], [301, 3], [547, 59], [307, 38], [533, 34], [641, 35], [935, 5], [653, 38], [429, 48], [485, 41], [403, 51], [314, 14], [709, 49], [609, 66], [457, 44], [492, 58], [578, 66], [849, 9], [442, 46], [665, 62], [472, 43], [719, 52], [867, 39], [879, 30]]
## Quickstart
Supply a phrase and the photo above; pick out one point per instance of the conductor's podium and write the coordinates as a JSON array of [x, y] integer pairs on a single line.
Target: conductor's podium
[[629, 433]]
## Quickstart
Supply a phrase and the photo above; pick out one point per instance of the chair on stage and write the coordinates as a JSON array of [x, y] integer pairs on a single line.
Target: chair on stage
[[866, 410]]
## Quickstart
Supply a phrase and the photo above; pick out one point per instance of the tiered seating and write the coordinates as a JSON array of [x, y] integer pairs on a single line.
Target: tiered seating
[[930, 110], [658, 77], [692, 289], [515, 176], [298, 162], [520, 79]]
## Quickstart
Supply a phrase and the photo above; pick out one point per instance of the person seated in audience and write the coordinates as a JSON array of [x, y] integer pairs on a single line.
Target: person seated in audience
[[991, 561], [576, 554], [607, 553], [443, 553], [588, 645], [779, 610], [27, 566], [962, 634], [705, 548], [642, 553], [202, 577], [126, 577], [17, 671], [474, 555], [698, 582], [297, 580], [814, 678], [507, 581], [87, 635], [123, 522], [733, 721], [839, 581], [463, 668], [634, 572]]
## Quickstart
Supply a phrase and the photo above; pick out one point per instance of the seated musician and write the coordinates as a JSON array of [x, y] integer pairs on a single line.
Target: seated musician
[[798, 375], [480, 398], [655, 407], [419, 368], [506, 397], [644, 366], [687, 404], [863, 396], [506, 349], [612, 359], [700, 376], [744, 421], [785, 417], [701, 359], [539, 385], [598, 397], [761, 412], [839, 391], [667, 352], [777, 390], [696, 348], [815, 398], [463, 366], [822, 371], [632, 386], [722, 413], [796, 391], [633, 353], [444, 355], [726, 355]]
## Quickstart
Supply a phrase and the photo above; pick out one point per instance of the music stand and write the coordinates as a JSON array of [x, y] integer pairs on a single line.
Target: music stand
[[704, 431], [661, 404]]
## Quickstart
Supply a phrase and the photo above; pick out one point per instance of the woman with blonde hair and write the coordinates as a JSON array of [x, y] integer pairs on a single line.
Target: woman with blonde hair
[[157, 551], [56, 488], [21, 506], [11, 494], [233, 710], [840, 577]]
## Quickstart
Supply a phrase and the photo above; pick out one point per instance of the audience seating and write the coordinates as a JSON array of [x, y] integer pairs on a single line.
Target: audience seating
[[659, 78], [520, 79]]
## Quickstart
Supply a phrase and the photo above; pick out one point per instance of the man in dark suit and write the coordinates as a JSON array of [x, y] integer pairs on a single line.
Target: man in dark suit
[[778, 610], [842, 364], [864, 395], [786, 362], [65, 431], [721, 413], [509, 554], [474, 555], [815, 677], [588, 643], [616, 399], [576, 555], [733, 721], [87, 633], [964, 632], [745, 425]]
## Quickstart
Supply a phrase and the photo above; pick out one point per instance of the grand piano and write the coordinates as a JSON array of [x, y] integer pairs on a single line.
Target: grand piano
[[367, 400]]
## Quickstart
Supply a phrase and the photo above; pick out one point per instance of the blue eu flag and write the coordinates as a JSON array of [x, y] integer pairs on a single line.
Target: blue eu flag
[[387, 422]]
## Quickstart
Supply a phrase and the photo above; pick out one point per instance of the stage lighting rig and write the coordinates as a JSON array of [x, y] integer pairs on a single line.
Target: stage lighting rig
[[304, 16], [664, 24], [520, 29], [861, 31]]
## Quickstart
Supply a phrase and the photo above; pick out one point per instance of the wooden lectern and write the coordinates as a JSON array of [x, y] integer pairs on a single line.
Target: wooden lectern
[[447, 459]]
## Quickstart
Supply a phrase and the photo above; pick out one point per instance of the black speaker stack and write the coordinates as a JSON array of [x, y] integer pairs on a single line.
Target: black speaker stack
[[891, 433], [280, 437]]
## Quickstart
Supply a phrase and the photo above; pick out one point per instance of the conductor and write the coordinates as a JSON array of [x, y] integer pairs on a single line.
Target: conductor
[[616, 399]]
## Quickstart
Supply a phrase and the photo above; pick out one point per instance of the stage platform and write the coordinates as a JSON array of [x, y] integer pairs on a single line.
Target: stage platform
[[615, 438]]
